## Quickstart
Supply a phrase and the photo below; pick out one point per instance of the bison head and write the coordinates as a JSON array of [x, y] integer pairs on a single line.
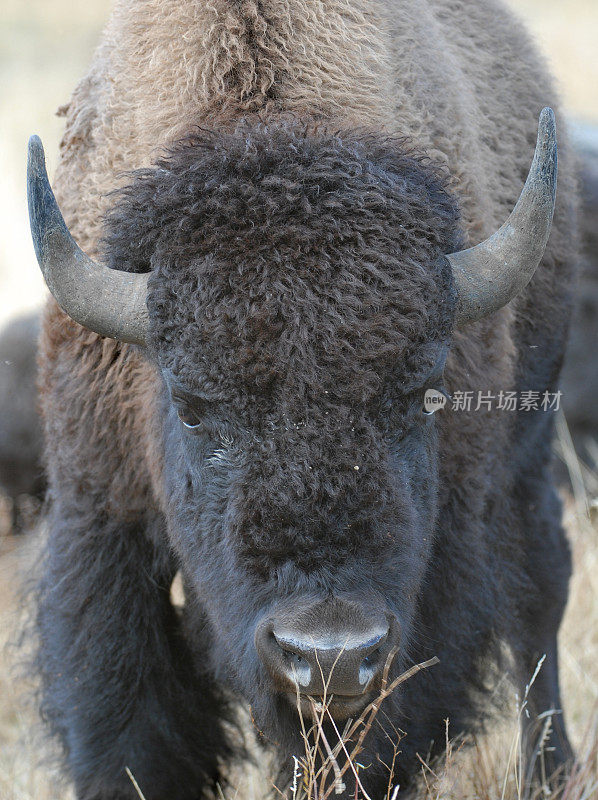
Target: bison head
[[293, 289]]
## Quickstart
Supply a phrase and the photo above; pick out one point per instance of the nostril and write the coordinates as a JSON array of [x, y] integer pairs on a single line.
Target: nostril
[[295, 665], [369, 667], [294, 659], [372, 657]]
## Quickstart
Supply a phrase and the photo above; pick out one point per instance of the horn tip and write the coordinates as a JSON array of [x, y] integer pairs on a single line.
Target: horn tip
[[35, 146], [37, 196], [36, 157], [547, 125]]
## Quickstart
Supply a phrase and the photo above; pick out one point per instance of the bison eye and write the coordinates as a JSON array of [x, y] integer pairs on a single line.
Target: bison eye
[[189, 417]]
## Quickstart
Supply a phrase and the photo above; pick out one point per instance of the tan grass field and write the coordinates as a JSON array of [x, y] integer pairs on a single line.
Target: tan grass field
[[45, 46]]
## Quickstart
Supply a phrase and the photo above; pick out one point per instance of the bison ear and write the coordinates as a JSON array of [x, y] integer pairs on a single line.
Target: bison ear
[[106, 301], [492, 273]]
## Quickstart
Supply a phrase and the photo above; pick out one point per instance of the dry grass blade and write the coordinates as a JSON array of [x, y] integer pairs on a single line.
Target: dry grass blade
[[339, 786], [134, 782], [369, 714], [349, 763], [317, 785]]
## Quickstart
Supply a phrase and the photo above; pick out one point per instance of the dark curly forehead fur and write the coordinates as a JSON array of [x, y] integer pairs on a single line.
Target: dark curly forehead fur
[[290, 263], [298, 297]]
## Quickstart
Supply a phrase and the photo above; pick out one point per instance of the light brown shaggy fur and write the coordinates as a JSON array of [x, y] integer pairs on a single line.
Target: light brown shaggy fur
[[459, 76]]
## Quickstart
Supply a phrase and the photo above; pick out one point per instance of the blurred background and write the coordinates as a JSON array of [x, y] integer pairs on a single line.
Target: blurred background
[[45, 47]]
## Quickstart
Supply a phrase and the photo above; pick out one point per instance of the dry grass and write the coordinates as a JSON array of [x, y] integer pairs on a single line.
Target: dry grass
[[326, 767], [21, 777]]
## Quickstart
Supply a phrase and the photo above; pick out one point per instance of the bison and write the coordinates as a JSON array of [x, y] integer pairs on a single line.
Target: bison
[[292, 222], [21, 471]]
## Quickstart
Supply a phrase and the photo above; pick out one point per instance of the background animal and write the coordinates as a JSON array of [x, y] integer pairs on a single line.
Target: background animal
[[112, 481], [21, 471]]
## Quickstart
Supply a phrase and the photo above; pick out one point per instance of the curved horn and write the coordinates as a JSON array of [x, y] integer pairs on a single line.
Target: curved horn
[[106, 301], [490, 274]]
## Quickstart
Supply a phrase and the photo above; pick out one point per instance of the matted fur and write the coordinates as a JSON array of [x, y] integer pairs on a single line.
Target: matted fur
[[277, 97]]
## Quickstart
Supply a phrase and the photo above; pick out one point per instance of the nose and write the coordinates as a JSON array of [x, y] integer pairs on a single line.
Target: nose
[[330, 648]]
